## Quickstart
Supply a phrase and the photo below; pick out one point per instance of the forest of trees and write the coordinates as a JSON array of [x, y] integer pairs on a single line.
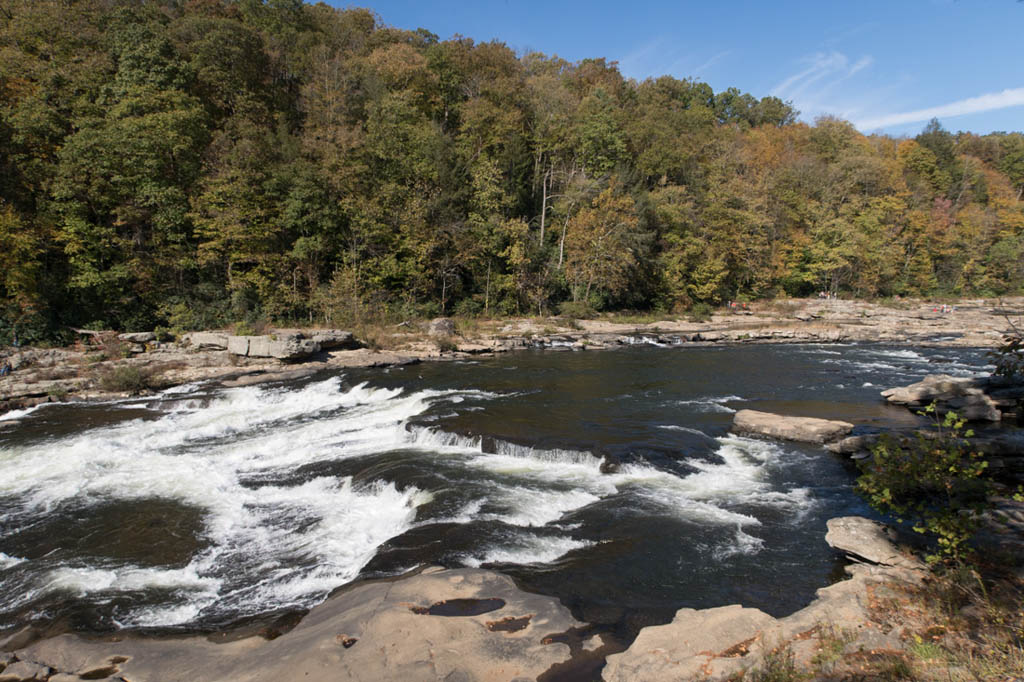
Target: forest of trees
[[193, 163]]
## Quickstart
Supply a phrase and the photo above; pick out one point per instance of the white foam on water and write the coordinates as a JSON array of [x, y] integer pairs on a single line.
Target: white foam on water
[[902, 354], [180, 389], [268, 545], [740, 478], [84, 580], [742, 544], [7, 561], [272, 545], [19, 414], [712, 404], [577, 481], [527, 549], [643, 341], [684, 429], [534, 507]]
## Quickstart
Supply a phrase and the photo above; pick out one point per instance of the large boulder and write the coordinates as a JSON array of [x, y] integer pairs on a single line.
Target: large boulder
[[441, 326], [137, 337], [867, 540], [280, 347], [802, 429], [966, 396], [331, 339], [206, 340]]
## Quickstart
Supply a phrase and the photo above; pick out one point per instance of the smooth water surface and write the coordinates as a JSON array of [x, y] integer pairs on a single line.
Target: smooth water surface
[[607, 479]]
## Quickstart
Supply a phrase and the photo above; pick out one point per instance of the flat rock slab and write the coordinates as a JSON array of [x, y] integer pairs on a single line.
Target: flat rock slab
[[802, 429], [438, 625], [867, 540]]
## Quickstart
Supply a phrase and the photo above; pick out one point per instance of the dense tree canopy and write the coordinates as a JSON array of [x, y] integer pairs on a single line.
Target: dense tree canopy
[[198, 162]]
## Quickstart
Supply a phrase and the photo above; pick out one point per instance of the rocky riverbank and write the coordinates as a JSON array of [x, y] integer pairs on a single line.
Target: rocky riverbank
[[472, 624], [105, 365]]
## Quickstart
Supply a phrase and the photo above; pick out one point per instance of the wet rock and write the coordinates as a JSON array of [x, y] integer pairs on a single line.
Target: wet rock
[[867, 540], [966, 396], [137, 337], [852, 445], [802, 429], [264, 377], [441, 326]]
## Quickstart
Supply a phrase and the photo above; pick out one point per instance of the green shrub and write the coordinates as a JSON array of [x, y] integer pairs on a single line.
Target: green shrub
[[243, 328], [699, 312], [446, 345], [126, 379], [579, 310], [933, 480]]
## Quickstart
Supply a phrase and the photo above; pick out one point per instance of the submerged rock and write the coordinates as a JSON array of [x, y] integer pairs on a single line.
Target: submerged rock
[[802, 429]]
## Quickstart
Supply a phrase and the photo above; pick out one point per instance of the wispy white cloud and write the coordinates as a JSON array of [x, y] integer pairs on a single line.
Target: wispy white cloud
[[711, 62], [1013, 97], [660, 56], [823, 72], [815, 91]]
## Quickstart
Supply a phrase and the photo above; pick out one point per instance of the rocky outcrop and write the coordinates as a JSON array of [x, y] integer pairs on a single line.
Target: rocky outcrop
[[280, 347], [286, 346], [865, 540], [450, 625], [333, 339], [685, 648], [802, 429], [206, 340], [725, 642], [441, 326], [964, 395], [137, 337]]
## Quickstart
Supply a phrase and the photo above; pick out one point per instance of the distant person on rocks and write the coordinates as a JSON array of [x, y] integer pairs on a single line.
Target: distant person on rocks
[[6, 369]]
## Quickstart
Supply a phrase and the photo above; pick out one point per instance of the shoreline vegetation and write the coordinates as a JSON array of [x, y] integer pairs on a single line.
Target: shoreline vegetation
[[107, 365], [189, 165]]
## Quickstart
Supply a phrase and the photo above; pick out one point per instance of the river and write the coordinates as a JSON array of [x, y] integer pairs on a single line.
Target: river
[[608, 479]]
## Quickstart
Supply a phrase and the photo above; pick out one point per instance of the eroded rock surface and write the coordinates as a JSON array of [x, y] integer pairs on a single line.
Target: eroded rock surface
[[802, 429], [373, 631]]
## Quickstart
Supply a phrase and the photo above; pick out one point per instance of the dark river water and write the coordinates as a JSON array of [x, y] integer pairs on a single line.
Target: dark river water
[[607, 479]]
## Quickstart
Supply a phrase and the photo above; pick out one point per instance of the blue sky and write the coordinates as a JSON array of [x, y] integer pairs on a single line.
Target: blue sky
[[885, 66]]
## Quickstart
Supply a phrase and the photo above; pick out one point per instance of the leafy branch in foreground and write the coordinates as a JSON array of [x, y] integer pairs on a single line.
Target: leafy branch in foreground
[[933, 480]]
